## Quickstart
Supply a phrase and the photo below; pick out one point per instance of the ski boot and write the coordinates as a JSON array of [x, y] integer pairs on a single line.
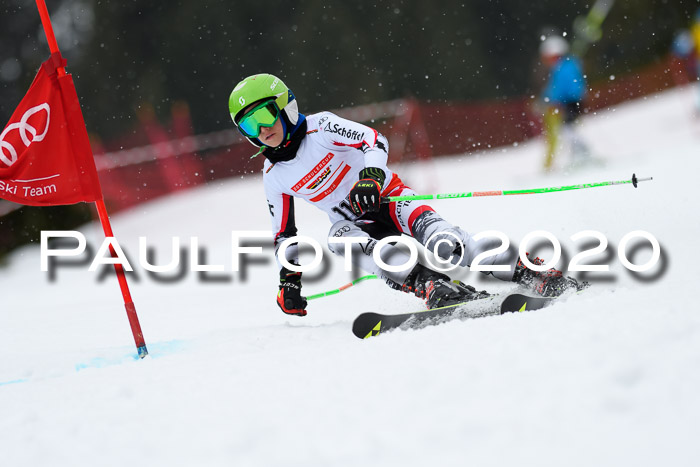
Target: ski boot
[[437, 289], [418, 280], [444, 293], [549, 283]]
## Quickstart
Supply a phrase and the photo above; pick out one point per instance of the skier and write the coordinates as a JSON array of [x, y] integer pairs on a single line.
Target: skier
[[340, 166], [563, 96]]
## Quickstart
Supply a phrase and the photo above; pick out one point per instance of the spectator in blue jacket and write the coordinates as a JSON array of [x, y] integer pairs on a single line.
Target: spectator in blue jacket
[[563, 98]]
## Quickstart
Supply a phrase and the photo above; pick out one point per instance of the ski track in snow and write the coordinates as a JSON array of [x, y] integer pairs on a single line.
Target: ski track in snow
[[610, 377]]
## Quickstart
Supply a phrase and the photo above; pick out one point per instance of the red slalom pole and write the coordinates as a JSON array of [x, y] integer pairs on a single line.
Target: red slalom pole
[[101, 209], [123, 285], [48, 30]]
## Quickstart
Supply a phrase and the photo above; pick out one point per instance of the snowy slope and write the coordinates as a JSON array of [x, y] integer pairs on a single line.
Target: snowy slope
[[611, 377]]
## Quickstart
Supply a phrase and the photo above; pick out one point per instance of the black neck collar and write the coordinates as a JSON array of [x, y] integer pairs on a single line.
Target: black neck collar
[[287, 151]]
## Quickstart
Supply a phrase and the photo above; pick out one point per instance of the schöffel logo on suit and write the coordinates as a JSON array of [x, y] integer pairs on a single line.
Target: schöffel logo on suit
[[342, 131]]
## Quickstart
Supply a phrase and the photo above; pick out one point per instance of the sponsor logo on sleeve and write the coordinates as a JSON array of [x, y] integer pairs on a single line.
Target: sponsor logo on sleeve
[[345, 132]]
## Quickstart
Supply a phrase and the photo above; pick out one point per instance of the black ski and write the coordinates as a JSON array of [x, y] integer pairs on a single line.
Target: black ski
[[519, 302], [371, 324]]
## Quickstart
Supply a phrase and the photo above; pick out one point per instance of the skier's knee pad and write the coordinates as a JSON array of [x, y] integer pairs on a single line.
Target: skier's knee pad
[[348, 229], [441, 238], [363, 253], [450, 243]]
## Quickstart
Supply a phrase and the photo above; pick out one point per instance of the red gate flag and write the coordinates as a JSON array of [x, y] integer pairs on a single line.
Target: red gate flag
[[45, 155]]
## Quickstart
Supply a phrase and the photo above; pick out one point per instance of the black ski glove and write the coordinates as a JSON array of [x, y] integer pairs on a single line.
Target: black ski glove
[[289, 297], [366, 194]]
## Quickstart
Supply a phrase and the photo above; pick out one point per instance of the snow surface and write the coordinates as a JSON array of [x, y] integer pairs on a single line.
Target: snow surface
[[610, 377]]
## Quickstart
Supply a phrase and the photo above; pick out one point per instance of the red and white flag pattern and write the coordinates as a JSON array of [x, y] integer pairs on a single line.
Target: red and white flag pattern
[[45, 155]]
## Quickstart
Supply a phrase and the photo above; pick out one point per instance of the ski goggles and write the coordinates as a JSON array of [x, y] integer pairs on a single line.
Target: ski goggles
[[264, 114]]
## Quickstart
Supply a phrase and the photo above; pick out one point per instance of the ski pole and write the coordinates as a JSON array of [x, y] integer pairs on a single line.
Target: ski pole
[[473, 194], [341, 288]]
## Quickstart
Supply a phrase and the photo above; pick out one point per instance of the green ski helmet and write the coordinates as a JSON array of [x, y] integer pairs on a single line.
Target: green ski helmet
[[260, 88]]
